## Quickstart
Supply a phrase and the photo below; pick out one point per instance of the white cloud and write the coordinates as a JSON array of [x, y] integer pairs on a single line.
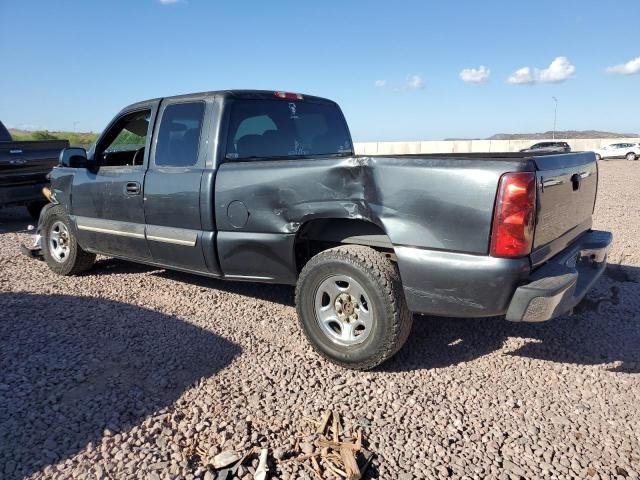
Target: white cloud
[[475, 75], [558, 71], [168, 2], [381, 83], [522, 76], [630, 68], [415, 82]]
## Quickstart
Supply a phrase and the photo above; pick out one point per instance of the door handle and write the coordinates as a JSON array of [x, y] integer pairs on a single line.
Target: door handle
[[132, 188], [17, 162]]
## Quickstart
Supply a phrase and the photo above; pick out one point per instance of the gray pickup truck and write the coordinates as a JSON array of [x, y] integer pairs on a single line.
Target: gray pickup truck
[[265, 187], [24, 167]]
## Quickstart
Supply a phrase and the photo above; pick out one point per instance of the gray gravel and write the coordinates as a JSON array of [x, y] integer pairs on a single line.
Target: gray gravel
[[118, 373]]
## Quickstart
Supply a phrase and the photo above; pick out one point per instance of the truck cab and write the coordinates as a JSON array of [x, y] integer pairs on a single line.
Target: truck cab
[[148, 193]]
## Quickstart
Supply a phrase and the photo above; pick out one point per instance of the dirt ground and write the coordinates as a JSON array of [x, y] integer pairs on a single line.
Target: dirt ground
[[122, 372]]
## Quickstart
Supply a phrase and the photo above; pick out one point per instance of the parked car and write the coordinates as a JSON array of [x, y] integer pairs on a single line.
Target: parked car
[[549, 147], [24, 167], [265, 187], [630, 151]]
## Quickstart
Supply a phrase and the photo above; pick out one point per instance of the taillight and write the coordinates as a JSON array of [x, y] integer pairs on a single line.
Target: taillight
[[288, 95], [514, 215]]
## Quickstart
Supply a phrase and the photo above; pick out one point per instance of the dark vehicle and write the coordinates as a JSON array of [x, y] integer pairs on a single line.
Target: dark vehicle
[[24, 167], [265, 187], [549, 147]]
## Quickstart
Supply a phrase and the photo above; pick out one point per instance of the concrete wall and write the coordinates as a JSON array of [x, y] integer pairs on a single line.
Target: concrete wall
[[470, 146]]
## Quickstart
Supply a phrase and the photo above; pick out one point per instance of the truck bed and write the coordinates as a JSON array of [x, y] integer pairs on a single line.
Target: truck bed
[[24, 167], [566, 189]]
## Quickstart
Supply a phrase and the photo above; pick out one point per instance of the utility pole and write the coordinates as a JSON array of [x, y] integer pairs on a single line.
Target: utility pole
[[75, 127], [555, 116]]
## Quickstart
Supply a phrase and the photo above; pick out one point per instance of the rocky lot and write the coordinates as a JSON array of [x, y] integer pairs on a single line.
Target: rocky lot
[[121, 373]]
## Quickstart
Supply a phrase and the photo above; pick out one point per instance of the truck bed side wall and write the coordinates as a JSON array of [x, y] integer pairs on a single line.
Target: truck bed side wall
[[429, 204]]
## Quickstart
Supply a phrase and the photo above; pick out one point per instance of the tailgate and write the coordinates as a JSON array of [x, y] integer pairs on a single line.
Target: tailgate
[[25, 163], [566, 190]]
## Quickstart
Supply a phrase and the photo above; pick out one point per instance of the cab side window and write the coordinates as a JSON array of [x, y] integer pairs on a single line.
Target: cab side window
[[179, 135]]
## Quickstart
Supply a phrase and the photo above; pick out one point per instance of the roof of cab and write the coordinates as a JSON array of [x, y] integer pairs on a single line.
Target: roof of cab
[[249, 94]]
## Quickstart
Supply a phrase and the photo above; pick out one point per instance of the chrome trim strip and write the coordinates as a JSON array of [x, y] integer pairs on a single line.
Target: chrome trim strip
[[110, 227], [109, 231], [248, 277], [173, 235], [155, 233], [189, 243]]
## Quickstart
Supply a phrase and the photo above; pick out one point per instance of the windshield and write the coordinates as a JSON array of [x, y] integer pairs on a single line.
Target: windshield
[[281, 128]]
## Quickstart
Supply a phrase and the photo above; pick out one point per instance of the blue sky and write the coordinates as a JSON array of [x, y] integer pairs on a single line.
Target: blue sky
[[394, 66]]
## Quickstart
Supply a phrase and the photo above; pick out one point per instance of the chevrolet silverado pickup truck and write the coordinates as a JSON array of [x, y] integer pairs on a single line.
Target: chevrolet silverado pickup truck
[[24, 167], [265, 187]]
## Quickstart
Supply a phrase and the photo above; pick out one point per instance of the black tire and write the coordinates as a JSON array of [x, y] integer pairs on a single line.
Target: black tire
[[380, 279], [631, 156], [76, 261], [34, 208]]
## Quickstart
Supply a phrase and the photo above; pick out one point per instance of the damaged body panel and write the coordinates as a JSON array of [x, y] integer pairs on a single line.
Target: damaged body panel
[[250, 185], [426, 205]]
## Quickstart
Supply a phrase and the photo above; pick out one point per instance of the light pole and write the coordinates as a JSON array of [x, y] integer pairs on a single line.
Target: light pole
[[555, 116]]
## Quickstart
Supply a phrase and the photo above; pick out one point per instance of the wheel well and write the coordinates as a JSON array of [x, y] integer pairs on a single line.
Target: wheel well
[[321, 234]]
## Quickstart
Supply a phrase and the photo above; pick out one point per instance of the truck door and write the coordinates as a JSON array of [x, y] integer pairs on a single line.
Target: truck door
[[106, 201], [172, 190]]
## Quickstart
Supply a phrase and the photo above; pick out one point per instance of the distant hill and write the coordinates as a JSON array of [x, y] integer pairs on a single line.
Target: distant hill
[[561, 134], [75, 138]]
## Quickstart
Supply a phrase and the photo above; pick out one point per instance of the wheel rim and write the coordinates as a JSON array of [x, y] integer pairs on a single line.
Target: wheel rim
[[343, 310], [631, 156], [59, 242]]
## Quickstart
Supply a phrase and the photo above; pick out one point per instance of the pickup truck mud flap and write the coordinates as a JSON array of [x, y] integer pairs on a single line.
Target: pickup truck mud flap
[[562, 283]]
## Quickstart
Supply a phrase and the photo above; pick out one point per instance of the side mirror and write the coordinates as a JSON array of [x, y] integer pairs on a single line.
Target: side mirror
[[74, 158]]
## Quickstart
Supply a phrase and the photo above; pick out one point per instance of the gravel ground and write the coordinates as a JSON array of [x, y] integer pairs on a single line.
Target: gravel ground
[[116, 374]]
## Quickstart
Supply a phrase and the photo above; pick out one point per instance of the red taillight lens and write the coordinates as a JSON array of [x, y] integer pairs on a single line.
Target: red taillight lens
[[514, 215], [288, 95]]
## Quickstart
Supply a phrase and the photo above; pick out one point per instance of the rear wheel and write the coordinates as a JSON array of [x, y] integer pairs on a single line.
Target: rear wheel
[[631, 156], [60, 247], [351, 306]]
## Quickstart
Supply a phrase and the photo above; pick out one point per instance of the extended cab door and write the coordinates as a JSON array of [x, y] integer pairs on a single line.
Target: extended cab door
[[174, 200], [106, 201]]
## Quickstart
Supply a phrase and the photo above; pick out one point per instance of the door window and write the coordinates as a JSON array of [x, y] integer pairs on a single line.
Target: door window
[[124, 143], [179, 135]]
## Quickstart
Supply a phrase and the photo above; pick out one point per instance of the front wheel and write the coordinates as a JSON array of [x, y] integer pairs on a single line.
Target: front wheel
[[60, 247], [631, 156], [351, 306]]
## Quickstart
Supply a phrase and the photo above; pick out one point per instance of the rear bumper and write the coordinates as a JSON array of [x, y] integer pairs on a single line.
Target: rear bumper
[[560, 284]]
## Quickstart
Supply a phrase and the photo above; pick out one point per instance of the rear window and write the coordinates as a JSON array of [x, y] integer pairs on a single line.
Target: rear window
[[281, 128]]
